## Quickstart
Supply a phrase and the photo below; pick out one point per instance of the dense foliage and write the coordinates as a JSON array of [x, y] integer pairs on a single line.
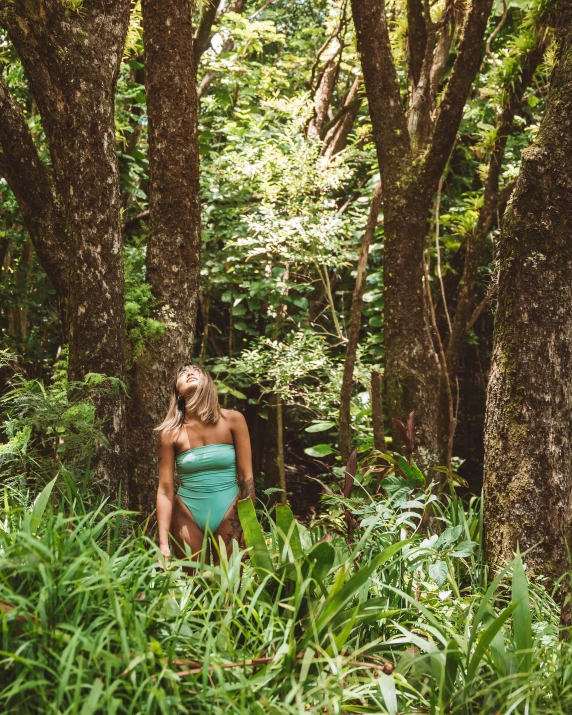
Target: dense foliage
[[380, 604], [378, 597], [384, 618], [282, 219]]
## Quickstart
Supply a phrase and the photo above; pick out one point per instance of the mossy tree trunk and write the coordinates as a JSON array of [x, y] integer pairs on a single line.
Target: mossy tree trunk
[[494, 200], [71, 60], [173, 252], [413, 152], [528, 423]]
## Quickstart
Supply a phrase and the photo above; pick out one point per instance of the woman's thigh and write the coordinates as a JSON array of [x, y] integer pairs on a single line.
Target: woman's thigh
[[230, 528], [185, 529]]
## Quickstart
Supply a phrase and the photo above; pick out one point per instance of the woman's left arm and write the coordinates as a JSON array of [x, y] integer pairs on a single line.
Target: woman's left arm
[[243, 450]]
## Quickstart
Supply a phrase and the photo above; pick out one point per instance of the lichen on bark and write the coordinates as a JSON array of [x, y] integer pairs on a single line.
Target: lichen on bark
[[528, 423]]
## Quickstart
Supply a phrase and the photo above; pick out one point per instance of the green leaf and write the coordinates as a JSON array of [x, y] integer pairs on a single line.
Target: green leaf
[[224, 389], [449, 536], [90, 705], [288, 531], [485, 604], [522, 621], [334, 604], [321, 557], [320, 426], [387, 687], [486, 639], [254, 538], [438, 572], [40, 505], [464, 548], [320, 450], [449, 674]]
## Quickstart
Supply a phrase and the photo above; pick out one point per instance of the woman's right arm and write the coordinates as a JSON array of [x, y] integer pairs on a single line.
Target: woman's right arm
[[165, 491]]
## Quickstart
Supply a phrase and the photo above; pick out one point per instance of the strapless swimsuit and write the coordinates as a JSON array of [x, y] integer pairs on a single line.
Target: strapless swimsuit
[[208, 482]]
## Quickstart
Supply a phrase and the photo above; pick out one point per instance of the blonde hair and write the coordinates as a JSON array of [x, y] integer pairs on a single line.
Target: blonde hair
[[203, 403]]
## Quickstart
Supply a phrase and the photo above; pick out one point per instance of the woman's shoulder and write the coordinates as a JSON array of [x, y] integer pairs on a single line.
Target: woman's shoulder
[[232, 416], [169, 435]]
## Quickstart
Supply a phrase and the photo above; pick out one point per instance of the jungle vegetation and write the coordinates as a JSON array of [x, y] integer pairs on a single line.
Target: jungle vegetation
[[356, 215]]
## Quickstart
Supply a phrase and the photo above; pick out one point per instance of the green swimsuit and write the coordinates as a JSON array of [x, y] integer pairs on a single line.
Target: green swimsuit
[[208, 482]]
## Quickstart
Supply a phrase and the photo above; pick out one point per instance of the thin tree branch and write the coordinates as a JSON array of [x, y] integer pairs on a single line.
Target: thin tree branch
[[227, 46], [260, 10], [438, 249], [354, 325], [497, 29], [28, 178], [380, 76], [458, 88], [339, 116], [442, 360], [480, 307], [202, 37]]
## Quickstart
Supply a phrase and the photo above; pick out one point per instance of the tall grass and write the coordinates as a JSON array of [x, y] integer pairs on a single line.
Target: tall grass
[[367, 610], [392, 621]]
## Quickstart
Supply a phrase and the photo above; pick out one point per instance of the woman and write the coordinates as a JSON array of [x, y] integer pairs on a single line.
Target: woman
[[210, 447]]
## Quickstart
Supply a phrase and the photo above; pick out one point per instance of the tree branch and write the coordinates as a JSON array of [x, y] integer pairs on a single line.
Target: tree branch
[[416, 39], [202, 37], [336, 135], [458, 88], [386, 111], [26, 175], [325, 89], [228, 45]]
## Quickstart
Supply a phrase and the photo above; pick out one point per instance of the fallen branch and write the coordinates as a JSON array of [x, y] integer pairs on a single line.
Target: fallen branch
[[195, 667]]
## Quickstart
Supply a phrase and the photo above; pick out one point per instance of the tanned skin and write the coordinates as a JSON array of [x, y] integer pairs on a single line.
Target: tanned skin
[[173, 516]]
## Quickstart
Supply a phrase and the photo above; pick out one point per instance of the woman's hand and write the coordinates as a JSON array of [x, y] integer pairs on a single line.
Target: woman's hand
[[166, 553]]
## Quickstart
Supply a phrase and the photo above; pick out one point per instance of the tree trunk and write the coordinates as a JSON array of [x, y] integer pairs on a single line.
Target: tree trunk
[[273, 460], [377, 411], [25, 173], [336, 136], [325, 88], [71, 59], [409, 182], [411, 363], [493, 200], [174, 247], [528, 425]]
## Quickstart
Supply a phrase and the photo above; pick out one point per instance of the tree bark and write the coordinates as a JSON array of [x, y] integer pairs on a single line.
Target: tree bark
[[71, 60], [528, 425], [173, 250], [345, 439], [325, 88], [336, 136], [28, 178], [409, 182], [493, 200], [273, 459]]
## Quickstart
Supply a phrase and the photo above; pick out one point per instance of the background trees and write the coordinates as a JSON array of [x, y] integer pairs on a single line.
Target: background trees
[[289, 169], [71, 57]]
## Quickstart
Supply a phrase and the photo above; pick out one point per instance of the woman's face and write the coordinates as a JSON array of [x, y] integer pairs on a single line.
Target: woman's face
[[188, 380]]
